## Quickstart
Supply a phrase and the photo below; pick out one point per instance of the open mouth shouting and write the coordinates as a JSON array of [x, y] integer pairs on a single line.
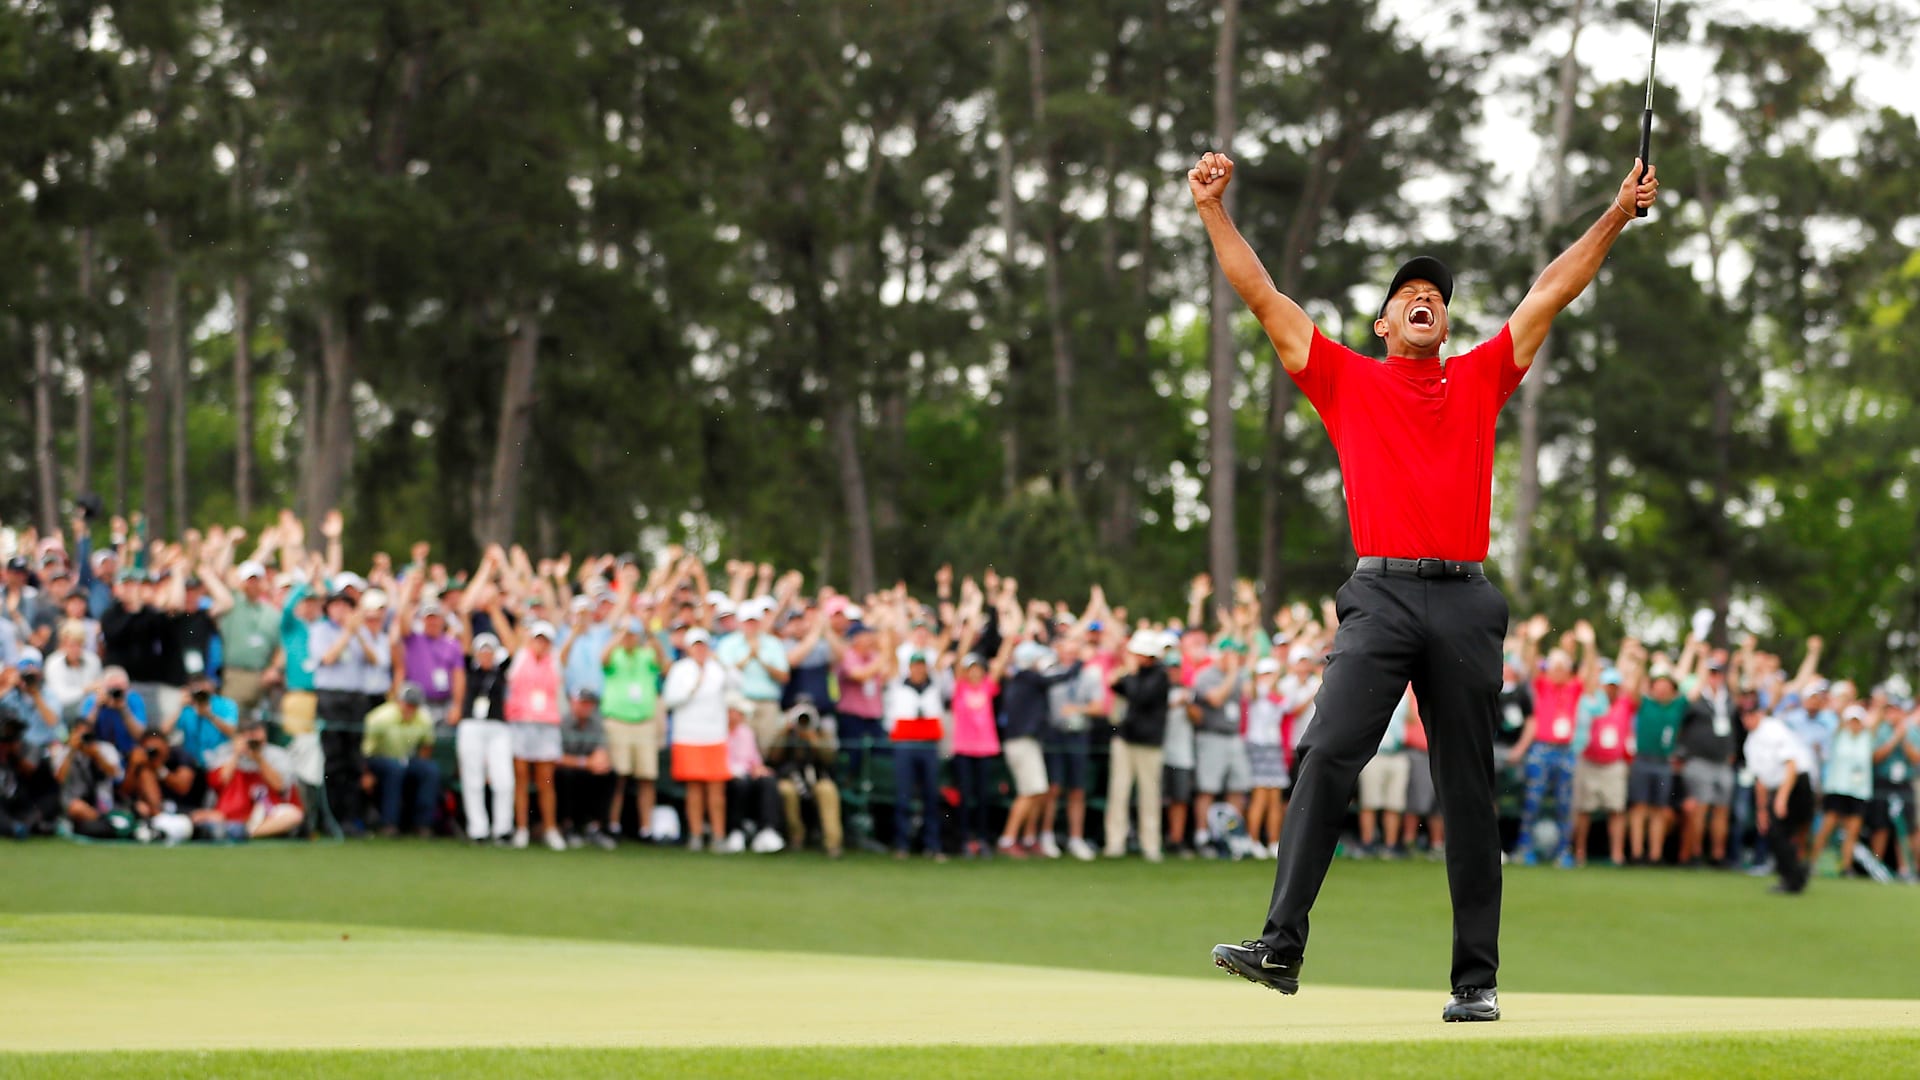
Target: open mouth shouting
[[1420, 316]]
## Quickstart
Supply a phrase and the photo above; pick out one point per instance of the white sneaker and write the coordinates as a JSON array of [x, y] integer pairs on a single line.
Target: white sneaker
[[555, 841], [520, 838], [1080, 849], [1049, 846], [768, 842], [734, 844]]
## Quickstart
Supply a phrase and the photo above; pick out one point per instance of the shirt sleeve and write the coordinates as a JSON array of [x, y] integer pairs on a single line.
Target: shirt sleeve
[[1492, 361], [1326, 360]]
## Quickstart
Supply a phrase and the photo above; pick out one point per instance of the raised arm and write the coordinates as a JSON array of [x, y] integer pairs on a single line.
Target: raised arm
[[1286, 325], [1569, 275]]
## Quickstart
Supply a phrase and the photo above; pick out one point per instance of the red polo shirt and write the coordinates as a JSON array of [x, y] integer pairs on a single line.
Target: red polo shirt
[[1415, 440]]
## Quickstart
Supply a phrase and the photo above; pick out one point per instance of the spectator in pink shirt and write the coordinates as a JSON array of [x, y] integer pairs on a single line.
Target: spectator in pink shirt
[[1546, 742], [976, 746], [753, 794], [862, 682]]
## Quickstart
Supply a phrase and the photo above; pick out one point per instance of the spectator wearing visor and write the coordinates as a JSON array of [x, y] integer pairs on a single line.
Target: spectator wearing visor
[[533, 716], [1847, 786], [26, 701]]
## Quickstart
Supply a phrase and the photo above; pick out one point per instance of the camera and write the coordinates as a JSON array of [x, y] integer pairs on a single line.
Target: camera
[[202, 697], [30, 678], [12, 729], [116, 694], [89, 506]]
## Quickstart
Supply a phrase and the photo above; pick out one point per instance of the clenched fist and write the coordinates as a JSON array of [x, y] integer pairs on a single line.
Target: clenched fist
[[1635, 190], [1208, 179]]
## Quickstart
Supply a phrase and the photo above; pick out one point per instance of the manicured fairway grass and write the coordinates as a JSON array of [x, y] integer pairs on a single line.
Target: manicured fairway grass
[[1843, 1054], [1376, 925]]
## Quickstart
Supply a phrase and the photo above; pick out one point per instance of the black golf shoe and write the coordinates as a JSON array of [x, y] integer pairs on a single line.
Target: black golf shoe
[[1470, 1003], [1254, 962]]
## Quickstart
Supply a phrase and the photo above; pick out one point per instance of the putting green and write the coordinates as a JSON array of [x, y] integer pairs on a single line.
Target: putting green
[[243, 985]]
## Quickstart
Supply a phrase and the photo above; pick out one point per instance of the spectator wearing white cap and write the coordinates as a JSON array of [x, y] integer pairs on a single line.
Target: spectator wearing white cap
[[249, 638], [1266, 708], [696, 691], [483, 743], [758, 663], [1847, 785], [633, 663], [1134, 753], [1299, 687], [533, 715]]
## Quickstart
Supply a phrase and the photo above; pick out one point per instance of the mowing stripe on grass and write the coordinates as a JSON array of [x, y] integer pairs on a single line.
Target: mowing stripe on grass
[[266, 988]]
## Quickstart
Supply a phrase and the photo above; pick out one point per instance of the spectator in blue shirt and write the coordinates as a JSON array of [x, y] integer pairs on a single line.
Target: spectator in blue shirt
[[758, 660], [118, 714]]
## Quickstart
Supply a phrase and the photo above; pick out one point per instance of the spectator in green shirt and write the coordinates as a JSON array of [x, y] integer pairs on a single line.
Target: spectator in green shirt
[[249, 636], [630, 707], [398, 746], [1650, 780]]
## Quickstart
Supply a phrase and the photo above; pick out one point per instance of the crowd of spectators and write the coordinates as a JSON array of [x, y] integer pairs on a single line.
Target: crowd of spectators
[[219, 689]]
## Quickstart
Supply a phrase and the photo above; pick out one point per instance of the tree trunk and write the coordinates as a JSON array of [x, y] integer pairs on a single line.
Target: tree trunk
[[243, 396], [333, 458], [161, 339], [496, 518], [842, 426], [309, 456], [122, 444], [1009, 307], [177, 396], [1720, 541], [1065, 455], [46, 468], [85, 356], [1221, 360], [1526, 502], [1301, 228]]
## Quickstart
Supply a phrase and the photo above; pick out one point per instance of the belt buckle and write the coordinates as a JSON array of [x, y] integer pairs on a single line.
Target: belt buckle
[[1430, 568]]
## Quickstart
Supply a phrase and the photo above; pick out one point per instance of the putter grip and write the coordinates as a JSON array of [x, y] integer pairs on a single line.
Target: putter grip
[[1646, 153]]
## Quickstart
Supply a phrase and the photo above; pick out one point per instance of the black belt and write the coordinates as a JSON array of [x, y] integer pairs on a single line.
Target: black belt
[[1426, 568]]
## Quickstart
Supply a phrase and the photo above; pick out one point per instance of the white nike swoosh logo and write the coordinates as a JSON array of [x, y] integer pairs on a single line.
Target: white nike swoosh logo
[[1271, 966]]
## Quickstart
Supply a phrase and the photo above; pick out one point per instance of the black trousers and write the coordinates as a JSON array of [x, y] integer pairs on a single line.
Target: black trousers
[[583, 797], [343, 715], [1783, 835], [756, 800], [1443, 635]]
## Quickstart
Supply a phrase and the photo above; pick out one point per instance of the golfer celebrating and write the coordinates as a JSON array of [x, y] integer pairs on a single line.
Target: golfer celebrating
[[1414, 435]]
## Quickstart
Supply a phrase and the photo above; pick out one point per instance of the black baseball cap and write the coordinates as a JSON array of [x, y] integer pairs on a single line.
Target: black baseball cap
[[1421, 268]]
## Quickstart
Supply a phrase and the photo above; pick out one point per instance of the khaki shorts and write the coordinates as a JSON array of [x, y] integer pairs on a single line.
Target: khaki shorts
[[768, 722], [243, 687], [1383, 783], [1027, 764], [635, 748], [298, 708], [1599, 789]]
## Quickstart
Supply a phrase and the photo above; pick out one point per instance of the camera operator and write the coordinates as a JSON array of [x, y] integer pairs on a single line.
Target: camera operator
[[167, 780], [207, 720], [255, 782], [23, 698], [118, 714], [87, 768], [803, 759], [29, 798]]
